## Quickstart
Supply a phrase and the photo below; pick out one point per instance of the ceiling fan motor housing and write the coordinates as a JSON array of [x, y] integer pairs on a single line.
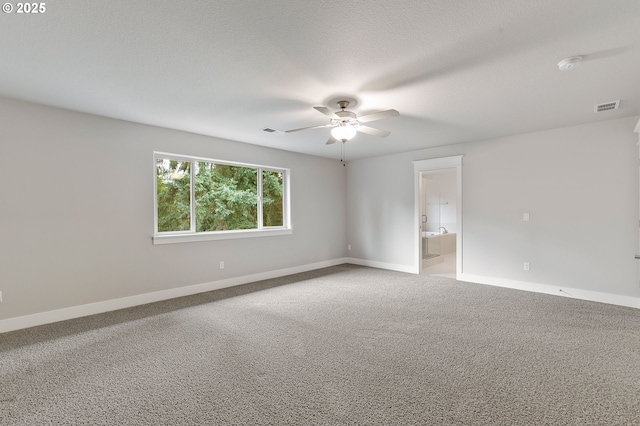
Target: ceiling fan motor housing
[[346, 114], [346, 117]]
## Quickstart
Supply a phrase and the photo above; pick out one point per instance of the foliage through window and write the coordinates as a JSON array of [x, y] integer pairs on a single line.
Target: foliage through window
[[195, 195]]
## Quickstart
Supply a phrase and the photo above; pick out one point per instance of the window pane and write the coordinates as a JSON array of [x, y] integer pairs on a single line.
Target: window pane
[[272, 200], [226, 197], [174, 195]]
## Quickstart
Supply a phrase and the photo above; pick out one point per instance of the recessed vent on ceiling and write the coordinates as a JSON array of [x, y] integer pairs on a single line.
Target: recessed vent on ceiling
[[607, 106], [272, 131]]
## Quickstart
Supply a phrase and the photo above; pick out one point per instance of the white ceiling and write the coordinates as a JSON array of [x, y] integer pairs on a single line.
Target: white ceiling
[[455, 70]]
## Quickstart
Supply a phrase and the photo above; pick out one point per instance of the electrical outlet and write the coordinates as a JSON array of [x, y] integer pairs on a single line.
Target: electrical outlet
[[222, 264], [349, 247], [525, 217], [0, 297], [527, 266]]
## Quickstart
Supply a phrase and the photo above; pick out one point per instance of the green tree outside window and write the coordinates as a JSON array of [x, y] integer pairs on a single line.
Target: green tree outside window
[[227, 197]]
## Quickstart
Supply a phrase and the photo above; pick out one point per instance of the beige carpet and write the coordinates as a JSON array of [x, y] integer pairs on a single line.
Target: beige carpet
[[342, 345]]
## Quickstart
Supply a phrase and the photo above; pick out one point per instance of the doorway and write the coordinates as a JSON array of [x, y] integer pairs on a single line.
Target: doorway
[[438, 203], [438, 211]]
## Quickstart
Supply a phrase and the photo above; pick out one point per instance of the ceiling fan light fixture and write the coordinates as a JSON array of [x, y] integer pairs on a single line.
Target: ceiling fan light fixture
[[343, 132]]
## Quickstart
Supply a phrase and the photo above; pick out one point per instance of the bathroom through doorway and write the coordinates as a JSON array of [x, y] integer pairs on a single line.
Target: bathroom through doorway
[[438, 204]]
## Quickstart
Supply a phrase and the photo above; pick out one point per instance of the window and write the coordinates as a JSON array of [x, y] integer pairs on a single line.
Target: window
[[202, 199]]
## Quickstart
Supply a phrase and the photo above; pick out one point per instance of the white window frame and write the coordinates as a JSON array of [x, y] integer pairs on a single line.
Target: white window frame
[[191, 235]]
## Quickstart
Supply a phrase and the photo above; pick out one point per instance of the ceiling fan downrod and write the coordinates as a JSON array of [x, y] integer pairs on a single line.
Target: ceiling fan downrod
[[343, 104]]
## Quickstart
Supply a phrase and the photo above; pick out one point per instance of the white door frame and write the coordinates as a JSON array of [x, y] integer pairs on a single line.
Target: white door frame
[[637, 130], [432, 164]]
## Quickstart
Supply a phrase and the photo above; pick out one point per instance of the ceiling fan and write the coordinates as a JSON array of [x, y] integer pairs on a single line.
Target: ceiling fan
[[345, 123]]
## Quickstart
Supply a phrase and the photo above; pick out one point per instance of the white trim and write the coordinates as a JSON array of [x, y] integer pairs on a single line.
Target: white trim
[[381, 265], [259, 194], [41, 318], [637, 130], [171, 238], [575, 293], [26, 321], [437, 163], [191, 158], [192, 198], [454, 161]]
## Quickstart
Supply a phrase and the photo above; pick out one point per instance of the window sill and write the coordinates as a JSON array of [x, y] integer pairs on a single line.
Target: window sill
[[220, 235]]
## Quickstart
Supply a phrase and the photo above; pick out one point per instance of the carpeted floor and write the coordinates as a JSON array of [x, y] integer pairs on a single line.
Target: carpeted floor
[[342, 345]]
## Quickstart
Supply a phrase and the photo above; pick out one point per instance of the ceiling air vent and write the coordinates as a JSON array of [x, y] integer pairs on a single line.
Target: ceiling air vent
[[270, 130], [606, 106]]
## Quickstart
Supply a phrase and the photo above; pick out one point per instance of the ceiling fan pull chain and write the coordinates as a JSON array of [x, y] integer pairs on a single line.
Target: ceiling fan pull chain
[[344, 163]]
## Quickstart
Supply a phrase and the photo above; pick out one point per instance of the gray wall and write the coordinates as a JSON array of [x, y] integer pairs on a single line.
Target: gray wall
[[579, 184], [76, 216]]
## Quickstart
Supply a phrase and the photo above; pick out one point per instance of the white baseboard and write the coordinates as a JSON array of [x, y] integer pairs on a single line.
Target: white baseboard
[[48, 317], [575, 293], [26, 321], [382, 265]]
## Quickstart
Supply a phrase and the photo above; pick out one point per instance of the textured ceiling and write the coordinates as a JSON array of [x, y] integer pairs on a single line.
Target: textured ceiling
[[455, 70]]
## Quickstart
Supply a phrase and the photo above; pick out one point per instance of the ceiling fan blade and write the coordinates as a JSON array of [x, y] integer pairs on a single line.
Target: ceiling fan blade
[[378, 115], [310, 127], [373, 131], [331, 140], [326, 111]]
